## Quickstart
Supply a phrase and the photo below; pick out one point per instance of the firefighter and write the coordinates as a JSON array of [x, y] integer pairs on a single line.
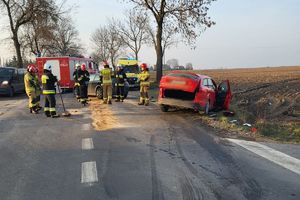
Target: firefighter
[[49, 90], [38, 89], [106, 82], [144, 77], [30, 88], [83, 80], [76, 85], [120, 83]]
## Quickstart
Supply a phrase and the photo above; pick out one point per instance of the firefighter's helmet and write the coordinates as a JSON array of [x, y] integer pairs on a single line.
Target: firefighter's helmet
[[47, 66], [31, 69], [77, 65], [144, 66], [83, 67]]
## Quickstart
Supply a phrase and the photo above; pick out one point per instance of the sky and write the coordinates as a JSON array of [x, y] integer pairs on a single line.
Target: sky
[[248, 33]]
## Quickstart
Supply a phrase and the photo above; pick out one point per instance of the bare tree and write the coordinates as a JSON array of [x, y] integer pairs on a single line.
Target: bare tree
[[38, 35], [168, 38], [184, 17], [108, 44], [21, 12], [133, 31], [65, 39], [101, 42]]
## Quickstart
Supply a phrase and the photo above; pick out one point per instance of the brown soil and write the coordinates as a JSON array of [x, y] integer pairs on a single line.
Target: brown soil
[[103, 118]]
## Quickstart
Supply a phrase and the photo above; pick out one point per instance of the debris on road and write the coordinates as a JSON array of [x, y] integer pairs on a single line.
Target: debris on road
[[253, 130], [102, 115], [213, 115], [233, 121], [228, 113], [246, 124]]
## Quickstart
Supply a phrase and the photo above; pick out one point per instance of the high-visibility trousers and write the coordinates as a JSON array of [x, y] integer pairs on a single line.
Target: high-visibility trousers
[[38, 97], [83, 93], [32, 99], [144, 97], [50, 104], [120, 90], [77, 90], [107, 91]]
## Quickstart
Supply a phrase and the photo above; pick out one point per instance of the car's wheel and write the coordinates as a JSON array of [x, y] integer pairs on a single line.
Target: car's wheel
[[164, 108], [99, 93], [207, 108], [11, 92]]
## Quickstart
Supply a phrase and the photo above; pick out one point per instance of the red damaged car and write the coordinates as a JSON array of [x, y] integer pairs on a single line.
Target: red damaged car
[[181, 89]]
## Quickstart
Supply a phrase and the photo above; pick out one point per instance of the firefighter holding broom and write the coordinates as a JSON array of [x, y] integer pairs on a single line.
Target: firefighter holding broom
[[49, 91]]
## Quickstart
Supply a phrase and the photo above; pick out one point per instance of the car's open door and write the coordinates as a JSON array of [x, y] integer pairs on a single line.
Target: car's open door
[[224, 95]]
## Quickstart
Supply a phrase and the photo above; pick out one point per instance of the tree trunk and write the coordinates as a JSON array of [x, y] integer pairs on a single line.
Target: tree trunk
[[136, 55], [159, 52], [15, 37], [18, 50]]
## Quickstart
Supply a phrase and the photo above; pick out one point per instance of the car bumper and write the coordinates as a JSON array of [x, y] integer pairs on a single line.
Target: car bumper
[[4, 90], [179, 103], [176, 102]]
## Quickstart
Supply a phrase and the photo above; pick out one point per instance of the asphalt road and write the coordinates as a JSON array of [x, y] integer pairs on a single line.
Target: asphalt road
[[146, 155]]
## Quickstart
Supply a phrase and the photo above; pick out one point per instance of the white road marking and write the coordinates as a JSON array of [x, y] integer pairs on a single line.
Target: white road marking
[[268, 153], [87, 144], [89, 172], [86, 127]]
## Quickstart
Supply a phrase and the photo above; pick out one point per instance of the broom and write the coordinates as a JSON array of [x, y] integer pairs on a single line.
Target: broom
[[65, 113]]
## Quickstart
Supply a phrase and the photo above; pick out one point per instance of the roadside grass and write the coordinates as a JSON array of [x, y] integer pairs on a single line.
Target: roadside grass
[[289, 132], [260, 129]]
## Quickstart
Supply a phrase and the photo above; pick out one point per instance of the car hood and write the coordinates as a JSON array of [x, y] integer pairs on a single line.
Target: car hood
[[179, 83]]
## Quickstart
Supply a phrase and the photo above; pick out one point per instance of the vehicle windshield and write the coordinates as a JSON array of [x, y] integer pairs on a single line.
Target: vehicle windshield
[[131, 69], [6, 73], [190, 76]]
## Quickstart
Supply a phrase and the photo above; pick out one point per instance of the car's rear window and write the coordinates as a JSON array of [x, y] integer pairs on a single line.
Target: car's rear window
[[190, 76]]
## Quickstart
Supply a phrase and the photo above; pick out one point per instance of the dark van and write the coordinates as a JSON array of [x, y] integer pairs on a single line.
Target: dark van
[[11, 81]]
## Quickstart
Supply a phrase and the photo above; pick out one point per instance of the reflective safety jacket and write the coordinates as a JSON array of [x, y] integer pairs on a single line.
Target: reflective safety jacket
[[144, 77], [48, 82], [29, 81], [120, 78], [105, 76], [83, 77]]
